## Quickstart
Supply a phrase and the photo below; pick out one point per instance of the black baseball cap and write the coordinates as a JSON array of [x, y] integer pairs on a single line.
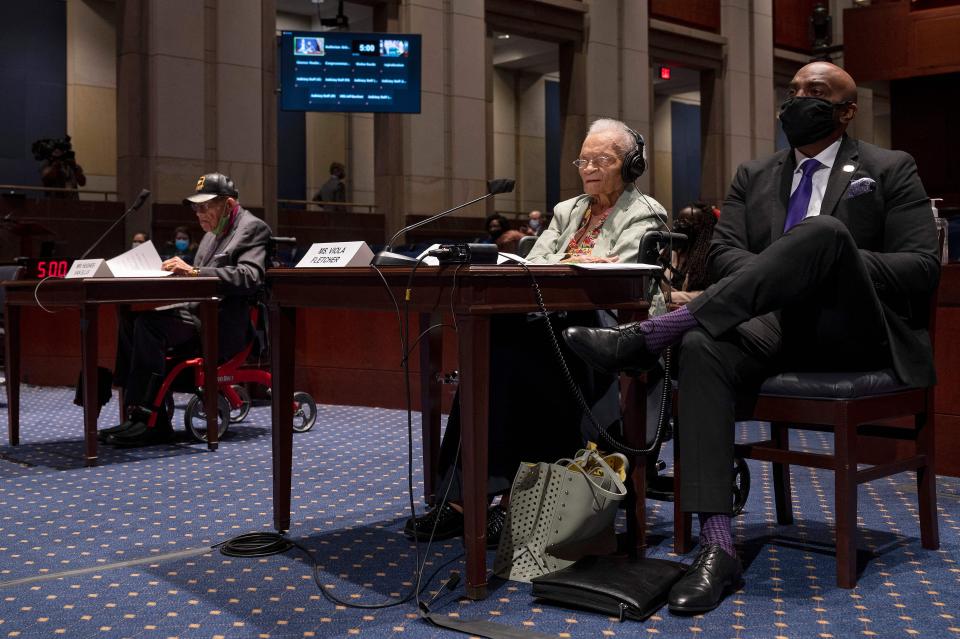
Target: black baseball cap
[[210, 186]]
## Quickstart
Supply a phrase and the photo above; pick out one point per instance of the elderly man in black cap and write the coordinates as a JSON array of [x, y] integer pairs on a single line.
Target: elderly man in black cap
[[234, 250]]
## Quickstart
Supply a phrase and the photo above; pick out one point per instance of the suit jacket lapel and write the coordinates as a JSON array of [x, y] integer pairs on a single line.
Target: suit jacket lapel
[[848, 155], [783, 180]]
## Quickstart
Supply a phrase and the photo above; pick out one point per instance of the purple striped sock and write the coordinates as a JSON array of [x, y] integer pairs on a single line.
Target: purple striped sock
[[667, 329], [715, 529]]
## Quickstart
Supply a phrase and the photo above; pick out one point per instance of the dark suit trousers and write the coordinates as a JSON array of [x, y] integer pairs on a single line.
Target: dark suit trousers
[[142, 345], [804, 303]]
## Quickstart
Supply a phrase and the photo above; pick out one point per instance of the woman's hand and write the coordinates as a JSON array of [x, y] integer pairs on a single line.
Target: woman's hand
[[588, 259]]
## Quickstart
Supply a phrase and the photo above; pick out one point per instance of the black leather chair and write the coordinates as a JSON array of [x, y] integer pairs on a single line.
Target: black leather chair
[[526, 244]]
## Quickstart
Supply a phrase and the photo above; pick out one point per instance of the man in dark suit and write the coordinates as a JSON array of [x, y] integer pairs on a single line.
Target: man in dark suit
[[824, 258], [234, 250]]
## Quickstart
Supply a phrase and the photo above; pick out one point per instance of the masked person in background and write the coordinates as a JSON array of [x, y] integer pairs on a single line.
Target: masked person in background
[[688, 275], [496, 226], [182, 245], [824, 258], [138, 238]]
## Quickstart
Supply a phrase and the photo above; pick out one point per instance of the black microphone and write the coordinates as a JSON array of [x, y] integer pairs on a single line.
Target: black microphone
[[388, 258], [144, 194]]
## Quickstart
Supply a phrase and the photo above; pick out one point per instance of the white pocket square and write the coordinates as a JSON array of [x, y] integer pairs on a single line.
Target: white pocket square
[[861, 186]]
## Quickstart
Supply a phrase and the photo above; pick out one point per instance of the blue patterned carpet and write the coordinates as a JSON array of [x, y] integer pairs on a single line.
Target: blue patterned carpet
[[64, 528]]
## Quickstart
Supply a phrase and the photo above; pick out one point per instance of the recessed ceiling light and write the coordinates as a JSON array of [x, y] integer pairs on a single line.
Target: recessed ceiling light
[[503, 36]]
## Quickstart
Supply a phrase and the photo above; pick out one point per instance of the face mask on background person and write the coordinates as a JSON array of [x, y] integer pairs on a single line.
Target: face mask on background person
[[534, 225], [181, 245], [134, 244], [807, 120]]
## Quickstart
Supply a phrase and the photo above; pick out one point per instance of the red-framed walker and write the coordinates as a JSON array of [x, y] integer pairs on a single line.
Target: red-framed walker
[[232, 397]]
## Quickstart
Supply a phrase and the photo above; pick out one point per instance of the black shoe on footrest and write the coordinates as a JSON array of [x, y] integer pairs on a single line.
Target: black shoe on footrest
[[611, 350], [713, 575]]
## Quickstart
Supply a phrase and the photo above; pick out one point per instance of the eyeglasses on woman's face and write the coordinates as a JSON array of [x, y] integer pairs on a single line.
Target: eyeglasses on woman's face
[[599, 161]]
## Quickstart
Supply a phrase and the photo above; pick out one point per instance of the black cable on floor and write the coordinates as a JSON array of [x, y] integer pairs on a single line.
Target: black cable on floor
[[264, 544]]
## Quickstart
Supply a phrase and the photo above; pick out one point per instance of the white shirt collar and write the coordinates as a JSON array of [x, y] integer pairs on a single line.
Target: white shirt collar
[[826, 157]]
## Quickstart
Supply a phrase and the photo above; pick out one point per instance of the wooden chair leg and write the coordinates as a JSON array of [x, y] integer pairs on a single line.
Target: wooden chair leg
[[637, 507], [927, 482], [780, 434], [845, 499], [682, 522]]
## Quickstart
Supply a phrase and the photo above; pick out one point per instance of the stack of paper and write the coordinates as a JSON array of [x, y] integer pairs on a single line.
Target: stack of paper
[[140, 261]]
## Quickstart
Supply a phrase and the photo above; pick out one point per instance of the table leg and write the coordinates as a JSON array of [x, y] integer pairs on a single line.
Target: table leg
[[431, 364], [12, 342], [474, 340], [283, 335], [208, 321], [633, 391], [89, 316]]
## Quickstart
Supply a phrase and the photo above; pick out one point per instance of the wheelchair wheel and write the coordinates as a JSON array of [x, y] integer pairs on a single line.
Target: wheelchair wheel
[[169, 406], [304, 412], [195, 417], [240, 413], [741, 484]]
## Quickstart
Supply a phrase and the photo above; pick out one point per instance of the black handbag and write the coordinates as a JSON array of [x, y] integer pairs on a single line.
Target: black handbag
[[624, 588]]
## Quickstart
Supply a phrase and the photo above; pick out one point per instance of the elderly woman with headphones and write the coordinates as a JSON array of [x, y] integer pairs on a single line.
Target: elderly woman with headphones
[[606, 222], [532, 414]]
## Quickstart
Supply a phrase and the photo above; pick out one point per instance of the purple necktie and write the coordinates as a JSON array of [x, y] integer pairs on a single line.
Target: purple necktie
[[800, 200]]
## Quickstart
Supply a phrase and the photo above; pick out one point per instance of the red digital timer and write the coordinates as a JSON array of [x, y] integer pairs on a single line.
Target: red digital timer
[[39, 268]]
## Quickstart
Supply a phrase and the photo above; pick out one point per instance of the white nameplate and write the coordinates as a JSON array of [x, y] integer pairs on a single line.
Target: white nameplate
[[336, 254], [89, 268]]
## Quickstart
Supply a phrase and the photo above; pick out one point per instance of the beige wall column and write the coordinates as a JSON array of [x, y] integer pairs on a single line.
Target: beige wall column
[[618, 66], [92, 90], [432, 160], [761, 67], [573, 113], [192, 98], [749, 108], [505, 135], [714, 178], [531, 125], [636, 88]]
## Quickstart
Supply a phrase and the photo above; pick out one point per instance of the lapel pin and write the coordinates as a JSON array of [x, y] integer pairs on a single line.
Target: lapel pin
[[848, 168]]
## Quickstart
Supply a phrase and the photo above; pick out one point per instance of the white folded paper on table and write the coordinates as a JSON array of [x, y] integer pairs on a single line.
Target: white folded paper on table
[[140, 261]]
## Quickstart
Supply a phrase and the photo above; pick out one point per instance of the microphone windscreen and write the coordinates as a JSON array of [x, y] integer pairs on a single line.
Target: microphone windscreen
[[144, 194], [500, 185]]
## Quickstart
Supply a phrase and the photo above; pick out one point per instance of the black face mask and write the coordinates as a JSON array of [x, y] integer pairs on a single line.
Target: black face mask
[[808, 120], [683, 226]]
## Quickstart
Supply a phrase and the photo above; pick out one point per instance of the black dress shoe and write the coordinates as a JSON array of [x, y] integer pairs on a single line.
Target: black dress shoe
[[443, 522], [449, 523], [496, 520], [104, 433], [141, 435], [611, 350], [712, 577]]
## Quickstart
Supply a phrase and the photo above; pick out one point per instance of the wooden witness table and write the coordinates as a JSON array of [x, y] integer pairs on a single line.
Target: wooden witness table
[[474, 294], [88, 295]]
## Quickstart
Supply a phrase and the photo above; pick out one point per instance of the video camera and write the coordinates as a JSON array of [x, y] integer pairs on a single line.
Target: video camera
[[44, 149]]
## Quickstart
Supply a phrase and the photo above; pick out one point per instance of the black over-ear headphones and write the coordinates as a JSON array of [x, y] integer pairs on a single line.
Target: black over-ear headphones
[[634, 162]]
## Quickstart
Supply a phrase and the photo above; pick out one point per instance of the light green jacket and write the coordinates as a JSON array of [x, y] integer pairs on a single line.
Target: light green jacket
[[632, 216]]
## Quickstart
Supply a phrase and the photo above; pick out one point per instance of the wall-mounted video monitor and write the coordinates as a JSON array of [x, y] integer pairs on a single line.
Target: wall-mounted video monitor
[[355, 72]]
